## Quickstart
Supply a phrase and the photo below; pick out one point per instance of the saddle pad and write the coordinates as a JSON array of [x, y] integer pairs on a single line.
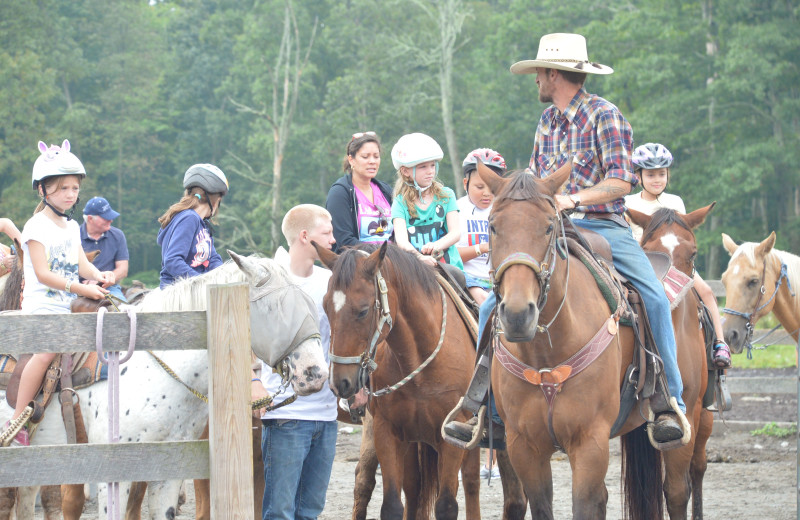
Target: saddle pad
[[87, 370], [676, 285]]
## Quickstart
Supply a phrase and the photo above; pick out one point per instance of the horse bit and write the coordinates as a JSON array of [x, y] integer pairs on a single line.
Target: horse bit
[[749, 326]]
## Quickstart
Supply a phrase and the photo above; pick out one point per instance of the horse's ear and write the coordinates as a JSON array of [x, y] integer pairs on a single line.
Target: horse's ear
[[698, 216], [552, 183], [765, 247], [326, 256], [639, 218], [495, 182], [729, 244], [375, 260], [247, 266]]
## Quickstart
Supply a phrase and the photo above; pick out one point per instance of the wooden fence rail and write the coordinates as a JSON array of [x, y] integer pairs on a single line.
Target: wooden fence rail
[[226, 458]]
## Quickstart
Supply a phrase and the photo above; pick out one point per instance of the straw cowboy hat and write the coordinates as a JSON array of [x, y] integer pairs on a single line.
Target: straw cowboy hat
[[562, 51]]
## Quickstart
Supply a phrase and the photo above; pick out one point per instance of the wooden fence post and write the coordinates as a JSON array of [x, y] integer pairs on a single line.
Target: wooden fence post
[[230, 438]]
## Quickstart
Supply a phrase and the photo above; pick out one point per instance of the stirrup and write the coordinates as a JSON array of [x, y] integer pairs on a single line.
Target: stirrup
[[15, 426], [684, 423], [477, 432], [724, 401]]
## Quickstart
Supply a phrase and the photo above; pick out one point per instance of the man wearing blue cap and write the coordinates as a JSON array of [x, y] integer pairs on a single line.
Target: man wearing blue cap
[[97, 233]]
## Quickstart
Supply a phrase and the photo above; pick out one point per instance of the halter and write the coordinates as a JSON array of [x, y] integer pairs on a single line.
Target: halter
[[366, 361], [750, 326], [543, 270]]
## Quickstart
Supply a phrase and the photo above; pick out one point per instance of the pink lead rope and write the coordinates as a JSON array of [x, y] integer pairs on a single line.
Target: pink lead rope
[[111, 359]]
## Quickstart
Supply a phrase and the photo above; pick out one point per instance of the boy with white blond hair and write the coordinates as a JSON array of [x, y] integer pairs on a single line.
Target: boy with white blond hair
[[298, 442]]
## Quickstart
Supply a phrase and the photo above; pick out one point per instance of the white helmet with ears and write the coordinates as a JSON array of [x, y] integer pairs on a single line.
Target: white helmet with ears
[[55, 161]]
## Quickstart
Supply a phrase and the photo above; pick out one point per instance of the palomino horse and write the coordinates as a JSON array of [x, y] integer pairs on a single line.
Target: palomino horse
[[182, 417], [549, 309], [391, 324], [759, 280], [672, 233]]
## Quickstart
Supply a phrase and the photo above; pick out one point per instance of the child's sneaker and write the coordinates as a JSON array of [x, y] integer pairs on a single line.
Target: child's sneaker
[[722, 355], [22, 438]]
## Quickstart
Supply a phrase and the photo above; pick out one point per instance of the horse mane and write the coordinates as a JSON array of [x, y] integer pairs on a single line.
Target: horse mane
[[522, 186], [748, 250], [189, 294], [663, 216], [405, 266]]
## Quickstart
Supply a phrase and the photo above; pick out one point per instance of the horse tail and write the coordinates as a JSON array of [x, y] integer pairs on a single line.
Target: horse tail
[[642, 480], [428, 479]]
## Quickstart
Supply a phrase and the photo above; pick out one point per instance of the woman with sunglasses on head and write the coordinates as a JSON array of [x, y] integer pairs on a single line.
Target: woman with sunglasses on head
[[359, 203]]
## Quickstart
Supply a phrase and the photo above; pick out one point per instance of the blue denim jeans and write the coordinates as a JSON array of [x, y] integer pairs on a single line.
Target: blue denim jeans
[[483, 316], [298, 457], [632, 263]]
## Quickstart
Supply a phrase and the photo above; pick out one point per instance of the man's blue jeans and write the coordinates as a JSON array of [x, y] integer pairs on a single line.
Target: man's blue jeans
[[631, 262], [298, 457]]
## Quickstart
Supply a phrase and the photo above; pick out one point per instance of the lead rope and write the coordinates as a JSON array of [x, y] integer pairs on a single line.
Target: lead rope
[[112, 360]]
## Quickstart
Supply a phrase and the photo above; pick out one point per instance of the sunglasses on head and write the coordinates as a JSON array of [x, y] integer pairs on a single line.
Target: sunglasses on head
[[359, 135]]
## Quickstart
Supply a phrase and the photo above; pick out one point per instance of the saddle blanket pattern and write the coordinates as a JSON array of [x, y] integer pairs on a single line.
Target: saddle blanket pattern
[[88, 373]]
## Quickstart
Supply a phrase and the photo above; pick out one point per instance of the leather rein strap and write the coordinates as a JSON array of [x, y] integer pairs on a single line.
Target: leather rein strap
[[550, 380]]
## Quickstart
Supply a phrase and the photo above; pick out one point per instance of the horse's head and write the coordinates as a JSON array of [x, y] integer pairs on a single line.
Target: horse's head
[[356, 313], [747, 281], [672, 233], [523, 228], [284, 328]]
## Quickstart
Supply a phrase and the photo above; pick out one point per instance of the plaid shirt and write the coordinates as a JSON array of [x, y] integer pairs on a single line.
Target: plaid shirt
[[595, 133]]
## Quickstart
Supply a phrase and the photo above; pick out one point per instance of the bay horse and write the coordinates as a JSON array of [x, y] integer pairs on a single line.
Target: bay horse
[[143, 383], [759, 279], [549, 309], [672, 233], [392, 327]]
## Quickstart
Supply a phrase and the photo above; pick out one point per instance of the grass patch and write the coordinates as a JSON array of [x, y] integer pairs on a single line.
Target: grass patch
[[773, 356], [773, 430]]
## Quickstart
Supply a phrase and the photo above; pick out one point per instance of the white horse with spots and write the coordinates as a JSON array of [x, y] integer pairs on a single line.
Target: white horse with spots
[[156, 407]]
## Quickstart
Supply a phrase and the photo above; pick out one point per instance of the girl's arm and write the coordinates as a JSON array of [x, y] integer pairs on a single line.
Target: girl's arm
[[8, 227], [55, 281], [451, 238], [468, 253], [401, 235]]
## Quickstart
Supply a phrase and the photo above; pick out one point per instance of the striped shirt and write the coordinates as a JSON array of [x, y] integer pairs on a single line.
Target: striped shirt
[[595, 133]]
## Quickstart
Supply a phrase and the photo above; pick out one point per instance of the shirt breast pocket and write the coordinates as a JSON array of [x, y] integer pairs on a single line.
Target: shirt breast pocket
[[585, 167]]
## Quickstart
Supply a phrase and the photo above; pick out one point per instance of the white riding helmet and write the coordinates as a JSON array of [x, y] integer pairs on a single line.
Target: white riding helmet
[[413, 149], [206, 176], [55, 161]]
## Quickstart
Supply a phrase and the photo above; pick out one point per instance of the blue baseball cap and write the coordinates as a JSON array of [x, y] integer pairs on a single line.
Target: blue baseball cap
[[98, 206]]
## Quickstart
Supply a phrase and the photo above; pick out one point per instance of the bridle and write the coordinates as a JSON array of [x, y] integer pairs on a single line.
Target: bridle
[[542, 269], [749, 325], [366, 361]]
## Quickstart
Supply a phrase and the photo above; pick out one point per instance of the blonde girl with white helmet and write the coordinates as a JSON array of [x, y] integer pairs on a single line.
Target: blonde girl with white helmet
[[53, 259], [424, 211]]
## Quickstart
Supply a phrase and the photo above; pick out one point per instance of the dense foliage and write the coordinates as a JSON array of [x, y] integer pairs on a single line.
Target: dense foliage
[[273, 89]]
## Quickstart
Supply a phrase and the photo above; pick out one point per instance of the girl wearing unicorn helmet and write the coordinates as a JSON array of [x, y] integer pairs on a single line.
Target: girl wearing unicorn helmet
[[424, 212], [651, 162], [186, 236], [53, 259]]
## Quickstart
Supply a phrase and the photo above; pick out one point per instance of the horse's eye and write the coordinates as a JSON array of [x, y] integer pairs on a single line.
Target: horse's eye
[[752, 283], [549, 229], [363, 313], [492, 230]]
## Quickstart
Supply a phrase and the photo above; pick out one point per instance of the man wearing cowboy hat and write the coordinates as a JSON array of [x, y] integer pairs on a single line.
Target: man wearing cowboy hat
[[592, 132]]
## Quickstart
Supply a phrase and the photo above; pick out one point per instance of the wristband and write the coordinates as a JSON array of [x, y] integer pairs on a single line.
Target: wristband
[[255, 379], [477, 250], [68, 286]]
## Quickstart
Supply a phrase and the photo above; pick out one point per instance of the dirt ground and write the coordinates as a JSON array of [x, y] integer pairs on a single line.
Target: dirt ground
[[747, 477]]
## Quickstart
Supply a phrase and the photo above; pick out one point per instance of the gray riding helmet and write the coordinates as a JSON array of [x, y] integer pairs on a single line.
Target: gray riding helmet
[[206, 176]]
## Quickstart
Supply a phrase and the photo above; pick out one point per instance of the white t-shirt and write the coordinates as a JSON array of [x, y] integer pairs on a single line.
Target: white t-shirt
[[648, 207], [62, 248], [319, 406], [474, 230]]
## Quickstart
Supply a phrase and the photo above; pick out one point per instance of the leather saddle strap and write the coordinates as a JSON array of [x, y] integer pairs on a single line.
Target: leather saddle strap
[[466, 315], [551, 380], [48, 388], [67, 409]]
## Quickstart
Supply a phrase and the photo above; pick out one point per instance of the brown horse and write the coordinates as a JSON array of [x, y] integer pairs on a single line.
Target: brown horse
[[759, 280], [550, 308], [672, 233], [393, 326]]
